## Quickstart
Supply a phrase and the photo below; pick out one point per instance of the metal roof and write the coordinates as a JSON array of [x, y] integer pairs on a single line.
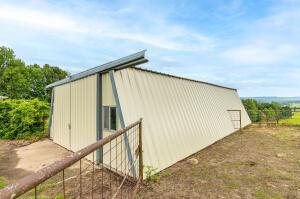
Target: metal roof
[[131, 60], [124, 62]]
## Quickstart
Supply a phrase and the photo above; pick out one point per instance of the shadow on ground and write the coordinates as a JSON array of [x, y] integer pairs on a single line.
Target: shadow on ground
[[9, 160]]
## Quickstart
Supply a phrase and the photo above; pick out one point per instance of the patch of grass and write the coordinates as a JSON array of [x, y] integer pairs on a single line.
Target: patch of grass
[[279, 174], [40, 189], [263, 195], [283, 134], [165, 174], [233, 185], [3, 182], [295, 120], [47, 197], [229, 182]]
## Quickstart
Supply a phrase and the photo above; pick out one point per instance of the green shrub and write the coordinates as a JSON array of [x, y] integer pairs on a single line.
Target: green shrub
[[23, 119]]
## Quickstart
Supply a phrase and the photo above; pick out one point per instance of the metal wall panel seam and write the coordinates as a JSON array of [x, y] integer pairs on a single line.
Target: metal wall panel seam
[[114, 88], [99, 129]]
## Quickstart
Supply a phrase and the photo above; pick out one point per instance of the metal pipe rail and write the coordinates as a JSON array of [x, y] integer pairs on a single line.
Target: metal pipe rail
[[32, 181]]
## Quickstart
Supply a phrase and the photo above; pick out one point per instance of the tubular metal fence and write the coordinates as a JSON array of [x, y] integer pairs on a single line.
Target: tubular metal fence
[[110, 168], [275, 117]]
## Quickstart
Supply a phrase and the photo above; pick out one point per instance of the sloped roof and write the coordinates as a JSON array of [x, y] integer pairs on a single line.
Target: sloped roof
[[130, 60], [124, 62]]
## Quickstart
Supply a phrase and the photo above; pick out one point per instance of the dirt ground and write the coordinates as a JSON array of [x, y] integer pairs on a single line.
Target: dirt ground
[[261, 163], [258, 162]]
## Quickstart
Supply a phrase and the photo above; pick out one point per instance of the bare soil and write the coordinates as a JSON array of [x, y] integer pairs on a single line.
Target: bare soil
[[258, 162]]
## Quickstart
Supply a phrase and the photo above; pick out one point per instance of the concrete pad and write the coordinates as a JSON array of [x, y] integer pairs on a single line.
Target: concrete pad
[[39, 154]]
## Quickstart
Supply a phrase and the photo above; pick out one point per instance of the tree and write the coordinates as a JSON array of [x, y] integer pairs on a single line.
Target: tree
[[53, 73], [8, 59], [251, 107], [37, 82], [18, 81], [14, 83], [270, 114]]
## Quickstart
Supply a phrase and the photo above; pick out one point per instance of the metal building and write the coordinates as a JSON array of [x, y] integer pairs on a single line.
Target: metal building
[[180, 116]]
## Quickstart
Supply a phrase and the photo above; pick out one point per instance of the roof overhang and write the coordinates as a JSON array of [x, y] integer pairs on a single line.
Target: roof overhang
[[124, 62]]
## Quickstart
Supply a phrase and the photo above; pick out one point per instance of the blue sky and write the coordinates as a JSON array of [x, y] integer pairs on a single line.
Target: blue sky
[[253, 46]]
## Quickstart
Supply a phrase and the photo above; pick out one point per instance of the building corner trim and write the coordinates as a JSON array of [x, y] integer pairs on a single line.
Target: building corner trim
[[50, 114]]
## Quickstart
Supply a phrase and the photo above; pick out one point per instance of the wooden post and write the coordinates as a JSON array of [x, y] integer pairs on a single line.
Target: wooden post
[[141, 166]]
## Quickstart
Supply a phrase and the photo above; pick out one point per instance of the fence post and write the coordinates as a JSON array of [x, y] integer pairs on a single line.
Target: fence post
[[141, 166]]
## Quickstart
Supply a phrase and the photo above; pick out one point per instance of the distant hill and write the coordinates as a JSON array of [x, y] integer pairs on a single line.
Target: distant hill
[[282, 100]]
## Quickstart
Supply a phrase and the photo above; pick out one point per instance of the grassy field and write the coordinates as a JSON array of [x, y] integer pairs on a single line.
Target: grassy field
[[295, 120]]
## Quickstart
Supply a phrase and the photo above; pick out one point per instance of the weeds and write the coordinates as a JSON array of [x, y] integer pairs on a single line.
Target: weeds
[[3, 182], [151, 174], [47, 197]]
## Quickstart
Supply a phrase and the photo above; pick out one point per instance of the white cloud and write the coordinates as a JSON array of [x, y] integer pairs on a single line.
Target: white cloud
[[228, 44], [157, 33], [39, 19], [259, 54]]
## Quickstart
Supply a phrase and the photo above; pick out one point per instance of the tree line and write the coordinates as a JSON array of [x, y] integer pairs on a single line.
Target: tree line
[[21, 81], [262, 112], [24, 115]]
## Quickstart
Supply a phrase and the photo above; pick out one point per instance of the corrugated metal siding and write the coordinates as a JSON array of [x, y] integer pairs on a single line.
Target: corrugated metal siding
[[108, 99], [83, 112], [107, 93], [61, 116], [75, 105], [180, 117]]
